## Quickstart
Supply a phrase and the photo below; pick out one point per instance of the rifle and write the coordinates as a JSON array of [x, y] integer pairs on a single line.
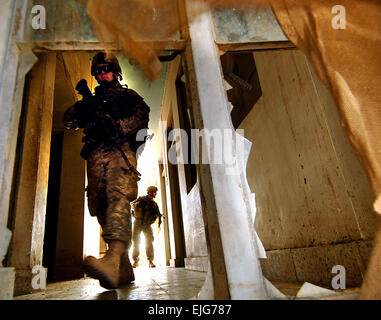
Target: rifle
[[113, 138]]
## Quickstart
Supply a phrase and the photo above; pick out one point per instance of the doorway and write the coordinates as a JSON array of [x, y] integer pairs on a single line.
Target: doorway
[[49, 199]]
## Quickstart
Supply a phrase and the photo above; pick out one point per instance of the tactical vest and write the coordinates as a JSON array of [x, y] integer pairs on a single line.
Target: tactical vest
[[145, 209], [118, 104]]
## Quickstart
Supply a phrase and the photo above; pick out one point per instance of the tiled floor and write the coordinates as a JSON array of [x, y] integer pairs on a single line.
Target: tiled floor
[[154, 284], [149, 284]]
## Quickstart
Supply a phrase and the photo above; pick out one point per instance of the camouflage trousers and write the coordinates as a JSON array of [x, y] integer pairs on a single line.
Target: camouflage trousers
[[111, 187], [139, 228]]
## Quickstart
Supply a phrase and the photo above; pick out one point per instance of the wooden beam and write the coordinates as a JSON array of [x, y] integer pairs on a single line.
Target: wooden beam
[[234, 271], [254, 46], [168, 100], [183, 20], [31, 195], [43, 46]]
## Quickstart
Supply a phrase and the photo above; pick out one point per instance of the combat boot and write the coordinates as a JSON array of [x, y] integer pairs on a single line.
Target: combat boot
[[151, 264], [106, 269], [136, 263], [126, 273]]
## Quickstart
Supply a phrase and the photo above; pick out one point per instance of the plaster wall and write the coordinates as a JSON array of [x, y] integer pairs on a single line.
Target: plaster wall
[[314, 204], [246, 25], [14, 65], [194, 231], [6, 7], [68, 21]]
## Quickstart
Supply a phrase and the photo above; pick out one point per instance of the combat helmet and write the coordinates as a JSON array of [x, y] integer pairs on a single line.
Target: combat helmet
[[151, 189], [103, 58]]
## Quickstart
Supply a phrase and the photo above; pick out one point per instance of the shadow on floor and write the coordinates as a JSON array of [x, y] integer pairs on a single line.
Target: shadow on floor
[[107, 295]]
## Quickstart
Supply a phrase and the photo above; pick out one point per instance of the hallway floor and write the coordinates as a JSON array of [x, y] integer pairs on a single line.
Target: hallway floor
[[150, 284], [153, 284]]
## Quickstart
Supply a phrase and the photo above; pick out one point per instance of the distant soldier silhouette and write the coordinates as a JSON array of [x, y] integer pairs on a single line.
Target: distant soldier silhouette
[[145, 212]]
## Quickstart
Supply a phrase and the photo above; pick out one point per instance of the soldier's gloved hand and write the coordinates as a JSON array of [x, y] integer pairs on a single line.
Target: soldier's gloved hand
[[70, 120]]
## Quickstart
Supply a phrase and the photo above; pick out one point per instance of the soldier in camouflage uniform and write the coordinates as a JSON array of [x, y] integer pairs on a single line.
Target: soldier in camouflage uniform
[[145, 212], [111, 119]]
